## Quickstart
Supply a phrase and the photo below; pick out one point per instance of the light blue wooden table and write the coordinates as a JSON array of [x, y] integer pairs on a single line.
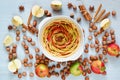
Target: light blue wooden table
[[9, 8]]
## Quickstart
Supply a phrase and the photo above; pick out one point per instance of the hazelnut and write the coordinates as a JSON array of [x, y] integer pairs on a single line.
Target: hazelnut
[[92, 45], [97, 50], [113, 13], [72, 15], [88, 71], [30, 56], [90, 29], [96, 41], [18, 32], [35, 23], [49, 75], [94, 27], [23, 43], [49, 14], [10, 27], [61, 72], [91, 24], [37, 50], [25, 60], [32, 43], [78, 19], [104, 38], [31, 74], [105, 60], [63, 77], [26, 47], [45, 12], [27, 51], [29, 39], [21, 8], [24, 37], [112, 31], [10, 57], [95, 34], [100, 56], [87, 45], [87, 78], [19, 75], [91, 8], [106, 34], [90, 37], [86, 50], [17, 38], [104, 52], [112, 37], [30, 64], [84, 73], [56, 74], [58, 66], [25, 64], [63, 63], [24, 73], [8, 49], [70, 5]]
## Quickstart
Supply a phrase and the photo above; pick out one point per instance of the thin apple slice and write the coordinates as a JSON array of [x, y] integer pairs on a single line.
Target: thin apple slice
[[14, 65], [8, 40], [17, 21], [37, 11]]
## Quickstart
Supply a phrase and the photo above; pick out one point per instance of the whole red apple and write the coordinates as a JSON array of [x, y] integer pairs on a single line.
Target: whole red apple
[[113, 49], [98, 67], [41, 70]]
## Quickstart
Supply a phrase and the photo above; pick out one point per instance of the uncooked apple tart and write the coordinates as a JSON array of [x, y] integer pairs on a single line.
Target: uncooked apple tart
[[61, 37]]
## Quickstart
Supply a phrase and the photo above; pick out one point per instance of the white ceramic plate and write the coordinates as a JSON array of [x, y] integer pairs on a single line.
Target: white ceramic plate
[[73, 56]]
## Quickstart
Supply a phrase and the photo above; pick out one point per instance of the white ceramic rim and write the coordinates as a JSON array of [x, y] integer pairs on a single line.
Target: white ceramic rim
[[77, 53]]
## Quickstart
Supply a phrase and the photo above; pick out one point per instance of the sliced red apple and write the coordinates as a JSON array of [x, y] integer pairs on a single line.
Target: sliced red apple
[[113, 49], [98, 67]]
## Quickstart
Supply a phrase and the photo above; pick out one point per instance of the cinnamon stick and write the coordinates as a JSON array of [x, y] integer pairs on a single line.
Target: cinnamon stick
[[101, 13], [104, 16], [97, 11], [29, 18]]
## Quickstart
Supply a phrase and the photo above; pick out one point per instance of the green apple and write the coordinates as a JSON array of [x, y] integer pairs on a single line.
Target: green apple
[[76, 69]]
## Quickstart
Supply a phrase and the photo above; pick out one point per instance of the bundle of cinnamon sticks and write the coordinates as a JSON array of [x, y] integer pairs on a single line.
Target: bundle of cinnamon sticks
[[85, 13], [100, 14]]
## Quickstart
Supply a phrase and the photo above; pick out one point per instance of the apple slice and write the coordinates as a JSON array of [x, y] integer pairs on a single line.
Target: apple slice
[[113, 49], [17, 21], [98, 67], [37, 11], [56, 5], [8, 40], [76, 69], [14, 65], [105, 24]]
